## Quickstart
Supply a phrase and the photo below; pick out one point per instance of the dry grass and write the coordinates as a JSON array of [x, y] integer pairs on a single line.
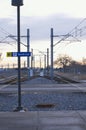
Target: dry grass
[[74, 76]]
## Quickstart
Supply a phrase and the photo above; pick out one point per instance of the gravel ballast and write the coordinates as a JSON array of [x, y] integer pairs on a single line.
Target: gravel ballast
[[58, 101]]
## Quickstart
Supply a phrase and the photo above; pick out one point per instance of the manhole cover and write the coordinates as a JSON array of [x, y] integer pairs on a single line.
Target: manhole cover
[[45, 105]]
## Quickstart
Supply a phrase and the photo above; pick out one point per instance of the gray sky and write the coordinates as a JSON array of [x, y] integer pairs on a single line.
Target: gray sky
[[39, 16], [40, 26]]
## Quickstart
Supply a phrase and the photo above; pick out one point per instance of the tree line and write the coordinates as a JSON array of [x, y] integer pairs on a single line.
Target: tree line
[[65, 63]]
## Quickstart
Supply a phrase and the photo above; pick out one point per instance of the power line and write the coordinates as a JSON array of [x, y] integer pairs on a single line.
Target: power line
[[73, 33], [9, 35]]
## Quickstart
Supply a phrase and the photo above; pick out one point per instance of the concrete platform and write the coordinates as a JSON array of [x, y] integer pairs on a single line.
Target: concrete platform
[[43, 85], [81, 87], [48, 120]]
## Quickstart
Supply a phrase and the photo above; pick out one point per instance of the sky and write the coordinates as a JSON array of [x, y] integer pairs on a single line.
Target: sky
[[40, 16]]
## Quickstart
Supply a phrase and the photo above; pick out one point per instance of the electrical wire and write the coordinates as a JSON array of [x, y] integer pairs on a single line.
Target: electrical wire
[[70, 33]]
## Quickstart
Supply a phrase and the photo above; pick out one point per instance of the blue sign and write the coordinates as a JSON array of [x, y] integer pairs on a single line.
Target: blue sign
[[15, 54], [23, 53]]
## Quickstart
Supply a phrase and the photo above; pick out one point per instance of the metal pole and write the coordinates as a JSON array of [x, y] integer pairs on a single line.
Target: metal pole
[[34, 61], [19, 72], [40, 62], [31, 58], [47, 60], [28, 50], [44, 64], [51, 54], [18, 3], [28, 46]]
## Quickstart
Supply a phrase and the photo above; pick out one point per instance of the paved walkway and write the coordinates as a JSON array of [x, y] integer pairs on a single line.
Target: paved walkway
[[60, 120], [40, 80], [26, 87]]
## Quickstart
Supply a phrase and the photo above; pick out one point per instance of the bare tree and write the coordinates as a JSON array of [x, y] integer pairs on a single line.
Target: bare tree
[[63, 61], [84, 61]]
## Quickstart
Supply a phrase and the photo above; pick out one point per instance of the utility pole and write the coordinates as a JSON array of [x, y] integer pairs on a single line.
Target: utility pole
[[44, 63], [28, 50], [47, 60], [40, 63], [28, 46], [31, 58], [51, 69]]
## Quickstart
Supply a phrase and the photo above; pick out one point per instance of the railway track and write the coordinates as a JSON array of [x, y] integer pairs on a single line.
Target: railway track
[[12, 78], [64, 79]]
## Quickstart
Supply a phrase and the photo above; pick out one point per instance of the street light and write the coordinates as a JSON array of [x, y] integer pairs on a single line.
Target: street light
[[18, 3]]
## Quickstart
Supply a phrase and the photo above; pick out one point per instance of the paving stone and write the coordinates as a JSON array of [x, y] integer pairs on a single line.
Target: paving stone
[[62, 128], [62, 120], [58, 114]]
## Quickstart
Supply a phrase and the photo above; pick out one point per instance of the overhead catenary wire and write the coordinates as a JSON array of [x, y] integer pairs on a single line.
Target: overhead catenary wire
[[9, 35], [71, 33]]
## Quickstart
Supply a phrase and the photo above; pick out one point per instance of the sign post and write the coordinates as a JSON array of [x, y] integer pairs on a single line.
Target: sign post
[[18, 3]]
